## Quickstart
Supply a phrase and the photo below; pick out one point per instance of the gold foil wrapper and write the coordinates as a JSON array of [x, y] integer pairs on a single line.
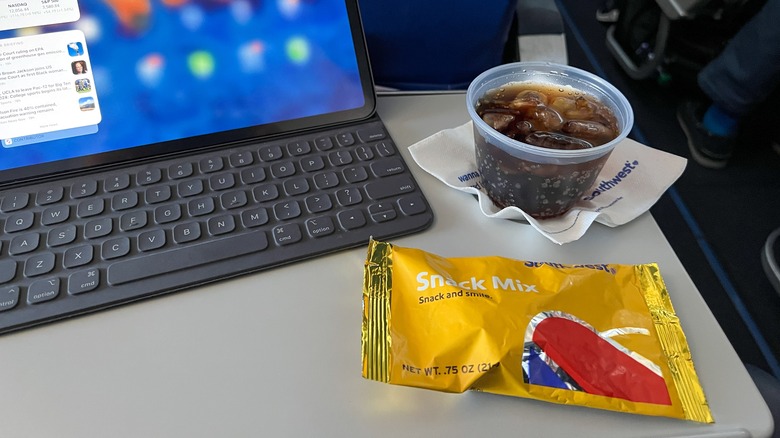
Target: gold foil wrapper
[[603, 336], [377, 289]]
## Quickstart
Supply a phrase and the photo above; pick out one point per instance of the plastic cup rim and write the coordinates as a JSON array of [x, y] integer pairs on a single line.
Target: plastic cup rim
[[550, 68]]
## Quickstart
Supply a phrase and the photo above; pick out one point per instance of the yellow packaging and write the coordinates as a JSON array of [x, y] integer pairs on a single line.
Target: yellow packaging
[[603, 336]]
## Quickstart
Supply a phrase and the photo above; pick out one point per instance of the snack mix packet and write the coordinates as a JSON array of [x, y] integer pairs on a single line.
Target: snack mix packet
[[602, 336]]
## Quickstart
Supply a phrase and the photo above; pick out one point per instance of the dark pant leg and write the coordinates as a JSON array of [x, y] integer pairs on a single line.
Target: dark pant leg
[[748, 69]]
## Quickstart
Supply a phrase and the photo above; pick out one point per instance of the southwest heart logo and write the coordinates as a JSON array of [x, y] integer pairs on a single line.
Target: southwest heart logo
[[562, 351]]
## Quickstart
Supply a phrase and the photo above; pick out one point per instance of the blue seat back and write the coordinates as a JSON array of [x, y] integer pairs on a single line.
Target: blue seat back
[[435, 44]]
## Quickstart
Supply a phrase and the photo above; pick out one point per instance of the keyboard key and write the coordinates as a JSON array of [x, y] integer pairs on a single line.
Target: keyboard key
[[385, 149], [352, 219], [83, 189], [19, 221], [380, 207], [370, 134], [132, 220], [7, 271], [180, 170], [287, 210], [390, 186], [318, 203], [77, 256], [355, 174], [323, 143], [222, 181], [234, 199], [83, 281], [150, 240], [117, 182], [390, 166], [364, 153], [326, 180], [9, 298], [190, 188], [158, 194], [14, 201], [211, 164], [49, 196], [296, 186], [24, 244], [298, 148], [55, 215], [115, 248], [271, 153], [340, 158], [43, 290], [312, 164], [411, 205], [241, 159], [282, 170], [124, 201], [267, 192], [149, 176], [384, 216], [345, 139], [254, 217], [158, 263], [347, 197], [39, 264], [61, 235], [320, 226], [253, 175], [287, 234], [167, 213], [98, 228], [221, 225], [90, 207], [200, 206], [188, 232]]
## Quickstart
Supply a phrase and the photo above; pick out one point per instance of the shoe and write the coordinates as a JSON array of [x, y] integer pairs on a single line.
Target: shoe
[[770, 257], [707, 149]]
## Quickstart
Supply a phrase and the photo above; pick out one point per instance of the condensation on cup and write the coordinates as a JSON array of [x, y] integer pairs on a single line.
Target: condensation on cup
[[543, 132]]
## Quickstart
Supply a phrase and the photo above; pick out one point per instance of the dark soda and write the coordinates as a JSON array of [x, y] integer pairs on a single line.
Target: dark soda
[[547, 116]]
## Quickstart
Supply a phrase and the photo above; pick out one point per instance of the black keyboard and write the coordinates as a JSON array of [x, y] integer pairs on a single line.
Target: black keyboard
[[98, 240]]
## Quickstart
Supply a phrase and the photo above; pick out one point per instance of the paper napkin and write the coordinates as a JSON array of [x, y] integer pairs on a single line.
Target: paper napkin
[[632, 180]]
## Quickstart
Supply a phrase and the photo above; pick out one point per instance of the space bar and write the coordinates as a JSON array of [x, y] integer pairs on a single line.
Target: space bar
[[149, 265]]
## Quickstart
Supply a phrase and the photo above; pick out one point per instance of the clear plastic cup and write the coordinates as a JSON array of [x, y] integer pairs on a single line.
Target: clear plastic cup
[[542, 182]]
